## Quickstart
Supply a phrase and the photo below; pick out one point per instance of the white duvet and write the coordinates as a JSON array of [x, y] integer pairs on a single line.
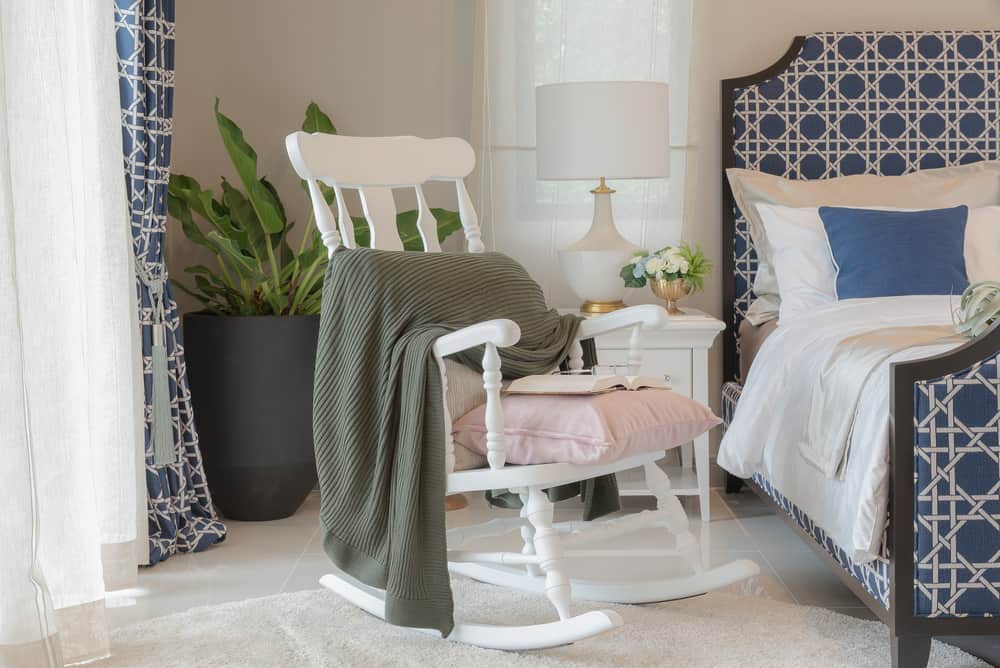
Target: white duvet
[[772, 416]]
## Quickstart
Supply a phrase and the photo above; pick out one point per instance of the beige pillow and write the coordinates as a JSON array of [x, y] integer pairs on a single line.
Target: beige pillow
[[465, 393], [975, 185]]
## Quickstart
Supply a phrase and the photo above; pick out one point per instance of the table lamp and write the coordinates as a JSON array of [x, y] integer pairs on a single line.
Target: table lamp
[[601, 130]]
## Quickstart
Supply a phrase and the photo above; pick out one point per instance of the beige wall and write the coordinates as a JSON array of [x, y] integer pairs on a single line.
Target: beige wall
[[405, 67]]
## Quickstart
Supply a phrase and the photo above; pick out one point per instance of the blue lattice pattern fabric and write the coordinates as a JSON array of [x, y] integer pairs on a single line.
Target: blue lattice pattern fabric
[[957, 493], [884, 103]]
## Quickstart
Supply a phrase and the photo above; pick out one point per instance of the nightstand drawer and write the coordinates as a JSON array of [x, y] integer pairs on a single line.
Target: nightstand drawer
[[674, 363]]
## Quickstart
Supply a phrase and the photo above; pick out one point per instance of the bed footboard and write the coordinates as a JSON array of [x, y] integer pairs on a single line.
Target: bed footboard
[[945, 413]]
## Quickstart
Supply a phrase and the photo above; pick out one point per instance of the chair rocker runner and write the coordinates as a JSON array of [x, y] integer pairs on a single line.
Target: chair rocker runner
[[374, 166]]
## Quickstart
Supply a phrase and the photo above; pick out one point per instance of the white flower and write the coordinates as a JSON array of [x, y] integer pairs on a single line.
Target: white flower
[[674, 261], [654, 264]]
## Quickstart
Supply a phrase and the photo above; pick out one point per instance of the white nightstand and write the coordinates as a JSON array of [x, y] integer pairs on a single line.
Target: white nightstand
[[680, 352]]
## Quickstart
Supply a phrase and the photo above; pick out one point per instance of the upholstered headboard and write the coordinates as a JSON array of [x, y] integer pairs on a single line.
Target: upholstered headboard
[[849, 103]]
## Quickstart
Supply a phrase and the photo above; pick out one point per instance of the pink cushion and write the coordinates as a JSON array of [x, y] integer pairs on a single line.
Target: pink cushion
[[591, 429]]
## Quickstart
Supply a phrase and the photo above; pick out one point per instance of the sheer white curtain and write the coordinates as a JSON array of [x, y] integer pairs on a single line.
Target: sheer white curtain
[[524, 43], [69, 427]]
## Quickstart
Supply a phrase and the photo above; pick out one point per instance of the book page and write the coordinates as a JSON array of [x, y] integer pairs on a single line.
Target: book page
[[561, 384]]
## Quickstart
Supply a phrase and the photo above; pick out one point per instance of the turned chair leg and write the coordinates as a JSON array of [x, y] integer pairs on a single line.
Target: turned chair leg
[[910, 651], [549, 549], [658, 483], [527, 536]]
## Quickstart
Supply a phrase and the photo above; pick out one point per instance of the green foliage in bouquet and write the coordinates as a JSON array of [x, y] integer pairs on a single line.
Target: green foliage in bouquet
[[978, 309], [256, 272], [668, 263]]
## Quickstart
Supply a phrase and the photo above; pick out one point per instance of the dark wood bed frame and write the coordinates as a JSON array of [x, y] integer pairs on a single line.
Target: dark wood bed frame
[[910, 635]]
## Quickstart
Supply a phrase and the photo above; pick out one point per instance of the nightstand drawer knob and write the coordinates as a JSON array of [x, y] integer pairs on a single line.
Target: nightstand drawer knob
[[666, 377]]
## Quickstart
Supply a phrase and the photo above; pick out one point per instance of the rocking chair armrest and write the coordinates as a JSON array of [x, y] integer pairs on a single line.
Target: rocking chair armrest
[[501, 333], [491, 334], [649, 316]]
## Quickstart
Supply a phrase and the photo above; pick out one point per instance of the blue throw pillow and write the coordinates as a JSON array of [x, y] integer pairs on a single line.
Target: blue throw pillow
[[891, 253]]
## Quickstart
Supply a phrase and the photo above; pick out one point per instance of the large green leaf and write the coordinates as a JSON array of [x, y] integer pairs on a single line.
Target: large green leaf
[[202, 202], [206, 286], [312, 254], [448, 222], [246, 267], [245, 228], [285, 252], [179, 209], [190, 191], [277, 200], [362, 235], [244, 158], [406, 224], [317, 121]]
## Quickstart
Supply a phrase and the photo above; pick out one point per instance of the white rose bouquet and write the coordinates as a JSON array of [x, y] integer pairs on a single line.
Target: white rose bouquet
[[668, 263]]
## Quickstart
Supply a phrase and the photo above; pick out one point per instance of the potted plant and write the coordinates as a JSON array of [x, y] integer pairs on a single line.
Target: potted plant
[[672, 272], [251, 350], [978, 308]]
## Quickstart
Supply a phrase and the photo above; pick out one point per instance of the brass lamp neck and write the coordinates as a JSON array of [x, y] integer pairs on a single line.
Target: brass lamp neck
[[602, 189]]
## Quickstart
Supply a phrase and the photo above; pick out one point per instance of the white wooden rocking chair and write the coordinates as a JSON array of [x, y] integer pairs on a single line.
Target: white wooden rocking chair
[[374, 166]]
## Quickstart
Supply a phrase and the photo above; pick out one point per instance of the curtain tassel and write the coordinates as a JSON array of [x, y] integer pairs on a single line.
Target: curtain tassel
[[162, 427], [164, 450]]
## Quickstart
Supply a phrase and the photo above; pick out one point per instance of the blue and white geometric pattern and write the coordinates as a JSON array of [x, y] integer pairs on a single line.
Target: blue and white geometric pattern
[[956, 469], [867, 103], [181, 515], [873, 575]]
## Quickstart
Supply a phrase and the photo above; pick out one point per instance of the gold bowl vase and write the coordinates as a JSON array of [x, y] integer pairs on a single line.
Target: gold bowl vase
[[671, 291]]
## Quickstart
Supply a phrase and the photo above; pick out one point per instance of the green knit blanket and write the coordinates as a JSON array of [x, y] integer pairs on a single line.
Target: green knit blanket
[[378, 414]]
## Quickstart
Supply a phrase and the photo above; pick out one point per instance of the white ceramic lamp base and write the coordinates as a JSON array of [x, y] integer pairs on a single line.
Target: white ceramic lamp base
[[592, 264]]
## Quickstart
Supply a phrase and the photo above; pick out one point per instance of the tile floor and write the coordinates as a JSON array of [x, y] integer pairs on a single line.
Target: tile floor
[[259, 559]]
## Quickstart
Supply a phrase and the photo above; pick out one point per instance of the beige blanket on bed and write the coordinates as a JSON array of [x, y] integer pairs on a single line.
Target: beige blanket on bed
[[835, 398]]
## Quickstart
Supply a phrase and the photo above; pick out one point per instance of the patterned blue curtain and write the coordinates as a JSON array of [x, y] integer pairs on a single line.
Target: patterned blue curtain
[[181, 515]]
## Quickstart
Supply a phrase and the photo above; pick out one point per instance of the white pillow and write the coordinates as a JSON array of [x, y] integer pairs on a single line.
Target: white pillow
[[803, 264], [975, 185], [801, 256]]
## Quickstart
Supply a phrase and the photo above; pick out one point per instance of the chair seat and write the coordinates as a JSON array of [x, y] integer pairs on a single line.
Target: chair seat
[[547, 475]]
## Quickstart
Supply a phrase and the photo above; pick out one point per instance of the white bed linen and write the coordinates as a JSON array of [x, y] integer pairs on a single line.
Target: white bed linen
[[772, 414]]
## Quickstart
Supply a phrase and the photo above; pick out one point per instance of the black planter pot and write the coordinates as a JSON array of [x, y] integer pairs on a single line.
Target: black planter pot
[[251, 384]]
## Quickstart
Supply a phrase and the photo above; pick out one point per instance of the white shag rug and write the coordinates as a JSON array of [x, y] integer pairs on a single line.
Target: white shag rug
[[317, 628]]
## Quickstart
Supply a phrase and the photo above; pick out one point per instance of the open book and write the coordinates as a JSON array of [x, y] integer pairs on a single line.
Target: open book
[[582, 384]]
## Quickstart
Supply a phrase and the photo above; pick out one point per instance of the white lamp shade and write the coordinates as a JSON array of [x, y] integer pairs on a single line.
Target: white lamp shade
[[615, 129]]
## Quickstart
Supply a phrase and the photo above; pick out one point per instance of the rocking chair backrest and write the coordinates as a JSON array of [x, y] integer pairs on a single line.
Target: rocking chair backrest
[[374, 166]]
